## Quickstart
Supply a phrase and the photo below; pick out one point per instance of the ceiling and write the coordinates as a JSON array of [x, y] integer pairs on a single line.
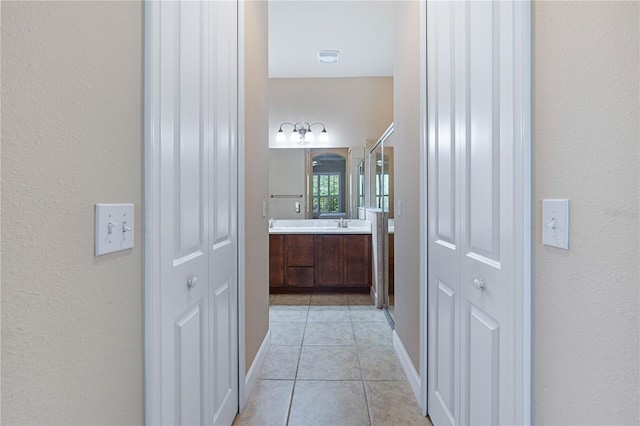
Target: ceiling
[[361, 30]]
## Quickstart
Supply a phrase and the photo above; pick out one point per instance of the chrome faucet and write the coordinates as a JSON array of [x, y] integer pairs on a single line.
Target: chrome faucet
[[342, 223]]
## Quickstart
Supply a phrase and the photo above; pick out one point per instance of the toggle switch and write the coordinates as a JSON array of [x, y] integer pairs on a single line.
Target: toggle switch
[[555, 223], [113, 228]]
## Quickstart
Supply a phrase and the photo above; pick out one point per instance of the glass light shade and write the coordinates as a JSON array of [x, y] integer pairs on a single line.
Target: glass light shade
[[308, 137], [280, 136], [295, 136], [324, 136]]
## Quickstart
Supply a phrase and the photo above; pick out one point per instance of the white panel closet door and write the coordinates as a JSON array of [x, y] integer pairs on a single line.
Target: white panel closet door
[[444, 217], [223, 202], [475, 82], [192, 175]]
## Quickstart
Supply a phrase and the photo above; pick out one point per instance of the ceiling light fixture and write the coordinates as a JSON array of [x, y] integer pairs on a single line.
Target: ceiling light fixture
[[328, 56], [302, 133]]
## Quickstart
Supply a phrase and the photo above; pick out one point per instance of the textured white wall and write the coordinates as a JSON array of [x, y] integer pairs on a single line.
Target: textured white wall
[[71, 137], [586, 142], [352, 109], [256, 186], [406, 141]]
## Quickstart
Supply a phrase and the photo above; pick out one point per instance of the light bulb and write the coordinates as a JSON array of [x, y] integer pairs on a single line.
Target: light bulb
[[324, 136], [280, 136], [295, 136], [308, 137]]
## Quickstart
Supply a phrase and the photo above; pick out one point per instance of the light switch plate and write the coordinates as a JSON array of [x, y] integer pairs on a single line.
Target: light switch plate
[[555, 223], [114, 228]]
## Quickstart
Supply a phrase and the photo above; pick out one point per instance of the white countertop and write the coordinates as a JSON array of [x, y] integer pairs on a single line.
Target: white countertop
[[318, 226]]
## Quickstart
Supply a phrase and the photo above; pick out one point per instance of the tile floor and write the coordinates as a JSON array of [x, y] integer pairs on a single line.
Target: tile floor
[[331, 362]]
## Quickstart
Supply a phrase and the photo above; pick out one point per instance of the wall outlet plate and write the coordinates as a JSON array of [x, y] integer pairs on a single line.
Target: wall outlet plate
[[114, 228], [555, 223]]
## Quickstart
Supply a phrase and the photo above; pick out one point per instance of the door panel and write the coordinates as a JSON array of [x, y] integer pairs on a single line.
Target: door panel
[[444, 150], [484, 357], [192, 133], [189, 366], [488, 206], [444, 217], [357, 262], [329, 260], [223, 290], [188, 154], [222, 349], [446, 314], [473, 241], [183, 232], [483, 143]]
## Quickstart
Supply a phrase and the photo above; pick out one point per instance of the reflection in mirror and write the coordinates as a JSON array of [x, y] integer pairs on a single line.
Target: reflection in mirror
[[328, 186], [360, 184], [356, 182], [325, 182]]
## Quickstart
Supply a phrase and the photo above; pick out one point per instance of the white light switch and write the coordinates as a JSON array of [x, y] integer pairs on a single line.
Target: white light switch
[[114, 228], [555, 223]]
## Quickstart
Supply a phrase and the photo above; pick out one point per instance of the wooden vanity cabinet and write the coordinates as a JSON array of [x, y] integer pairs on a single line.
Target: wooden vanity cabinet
[[309, 263], [276, 261], [329, 260], [299, 260]]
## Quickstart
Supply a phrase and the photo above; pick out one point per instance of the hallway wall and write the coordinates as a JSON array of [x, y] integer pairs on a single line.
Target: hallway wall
[[256, 186], [586, 143], [72, 132], [406, 140]]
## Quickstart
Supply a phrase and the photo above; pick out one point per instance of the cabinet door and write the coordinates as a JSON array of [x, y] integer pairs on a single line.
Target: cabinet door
[[329, 260], [276, 260], [357, 260]]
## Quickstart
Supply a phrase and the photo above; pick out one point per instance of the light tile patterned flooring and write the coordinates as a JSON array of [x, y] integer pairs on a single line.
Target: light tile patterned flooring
[[331, 362]]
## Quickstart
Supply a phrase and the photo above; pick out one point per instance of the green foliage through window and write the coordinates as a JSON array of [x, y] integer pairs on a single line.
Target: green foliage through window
[[326, 193]]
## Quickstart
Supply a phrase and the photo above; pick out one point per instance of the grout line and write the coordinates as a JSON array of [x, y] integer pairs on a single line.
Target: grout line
[[355, 345]]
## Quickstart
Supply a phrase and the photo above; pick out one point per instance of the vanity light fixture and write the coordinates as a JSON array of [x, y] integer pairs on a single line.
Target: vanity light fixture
[[302, 133]]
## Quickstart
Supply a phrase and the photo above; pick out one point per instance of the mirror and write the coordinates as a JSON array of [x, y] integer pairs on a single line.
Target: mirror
[[328, 185], [326, 182]]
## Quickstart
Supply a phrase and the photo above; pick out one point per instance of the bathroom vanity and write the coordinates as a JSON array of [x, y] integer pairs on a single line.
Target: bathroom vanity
[[313, 256]]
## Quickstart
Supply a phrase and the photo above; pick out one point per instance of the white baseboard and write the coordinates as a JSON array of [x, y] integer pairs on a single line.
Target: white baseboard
[[254, 370], [407, 365]]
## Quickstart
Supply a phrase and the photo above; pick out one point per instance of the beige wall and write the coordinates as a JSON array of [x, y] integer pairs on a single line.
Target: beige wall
[[256, 186], [586, 143], [406, 142], [72, 337], [353, 109]]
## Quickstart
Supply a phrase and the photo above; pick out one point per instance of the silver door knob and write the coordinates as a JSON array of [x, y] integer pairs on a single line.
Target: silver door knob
[[479, 283], [191, 282]]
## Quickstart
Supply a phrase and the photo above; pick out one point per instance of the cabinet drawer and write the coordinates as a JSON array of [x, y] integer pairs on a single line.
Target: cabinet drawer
[[300, 256], [300, 241], [300, 277]]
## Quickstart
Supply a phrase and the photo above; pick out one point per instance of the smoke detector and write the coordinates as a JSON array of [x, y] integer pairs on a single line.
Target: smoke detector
[[328, 56]]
